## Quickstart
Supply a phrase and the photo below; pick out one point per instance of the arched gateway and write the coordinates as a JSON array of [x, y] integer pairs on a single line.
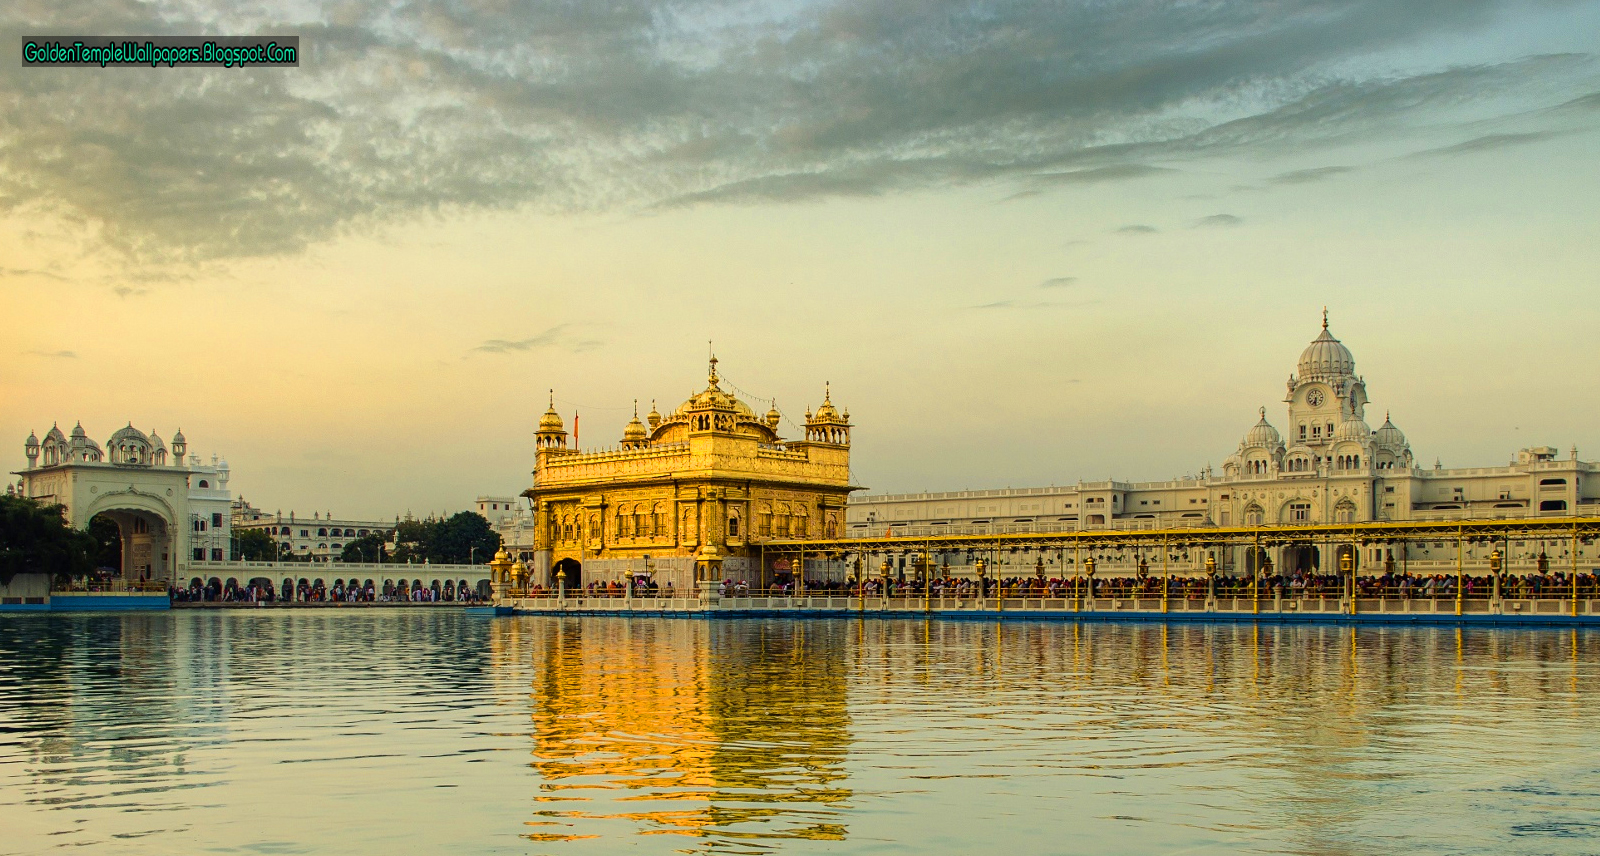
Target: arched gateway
[[163, 518]]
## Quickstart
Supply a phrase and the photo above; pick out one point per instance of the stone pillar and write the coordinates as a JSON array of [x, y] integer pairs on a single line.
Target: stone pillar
[[708, 573]]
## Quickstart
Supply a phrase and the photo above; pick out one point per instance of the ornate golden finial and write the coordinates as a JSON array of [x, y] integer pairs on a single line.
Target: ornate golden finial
[[712, 375], [1263, 414], [827, 392], [552, 399], [1324, 317], [636, 408]]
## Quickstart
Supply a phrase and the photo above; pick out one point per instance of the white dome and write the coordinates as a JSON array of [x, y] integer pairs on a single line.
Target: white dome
[[1263, 435], [1326, 357], [1389, 436], [1352, 429]]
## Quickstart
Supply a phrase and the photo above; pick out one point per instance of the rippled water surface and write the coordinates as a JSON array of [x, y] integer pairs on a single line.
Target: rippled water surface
[[428, 731]]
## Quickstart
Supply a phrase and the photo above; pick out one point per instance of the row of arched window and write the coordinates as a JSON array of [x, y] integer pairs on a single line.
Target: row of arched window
[[1299, 512], [322, 532], [641, 521], [828, 434]]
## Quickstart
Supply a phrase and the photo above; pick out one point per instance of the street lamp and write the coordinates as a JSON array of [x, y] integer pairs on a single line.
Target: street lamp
[[1347, 567]]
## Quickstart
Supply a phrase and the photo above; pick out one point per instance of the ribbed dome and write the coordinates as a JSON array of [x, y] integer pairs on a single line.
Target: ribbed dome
[[714, 398], [1263, 435], [773, 416], [123, 434], [1326, 357], [1389, 436], [1352, 429], [654, 417]]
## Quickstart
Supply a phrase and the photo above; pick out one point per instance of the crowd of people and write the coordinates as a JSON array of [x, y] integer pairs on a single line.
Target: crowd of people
[[1295, 585], [262, 590]]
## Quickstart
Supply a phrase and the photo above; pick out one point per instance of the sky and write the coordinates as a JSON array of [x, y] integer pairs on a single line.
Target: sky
[[1026, 243]]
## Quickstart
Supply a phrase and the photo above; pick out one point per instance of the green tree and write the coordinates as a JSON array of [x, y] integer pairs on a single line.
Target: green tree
[[465, 537], [254, 545], [107, 537], [372, 547], [35, 538], [413, 540]]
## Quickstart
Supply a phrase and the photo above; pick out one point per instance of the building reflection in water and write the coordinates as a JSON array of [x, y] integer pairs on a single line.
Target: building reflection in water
[[736, 733], [426, 730], [1294, 738]]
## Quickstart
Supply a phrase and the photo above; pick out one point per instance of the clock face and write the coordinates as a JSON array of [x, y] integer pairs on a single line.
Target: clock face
[[1314, 398]]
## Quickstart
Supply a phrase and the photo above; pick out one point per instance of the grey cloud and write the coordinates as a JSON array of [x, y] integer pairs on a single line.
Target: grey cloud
[[554, 337], [59, 355], [1031, 304], [1096, 175], [1306, 176], [1058, 282], [129, 291], [1489, 142], [1137, 229], [1586, 102], [26, 272], [415, 110], [1217, 220]]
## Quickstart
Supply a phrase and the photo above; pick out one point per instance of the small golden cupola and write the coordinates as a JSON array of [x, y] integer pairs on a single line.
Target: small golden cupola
[[654, 418], [552, 433], [712, 409], [773, 416], [635, 436], [827, 425]]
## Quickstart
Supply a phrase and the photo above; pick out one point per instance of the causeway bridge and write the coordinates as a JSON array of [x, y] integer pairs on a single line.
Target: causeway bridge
[[1515, 571]]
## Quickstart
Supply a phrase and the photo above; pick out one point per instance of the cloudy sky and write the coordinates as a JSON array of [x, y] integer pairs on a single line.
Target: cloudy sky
[[1027, 243]]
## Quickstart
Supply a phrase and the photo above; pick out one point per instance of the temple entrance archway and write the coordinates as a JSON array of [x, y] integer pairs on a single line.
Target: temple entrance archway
[[569, 569], [143, 546], [1301, 558]]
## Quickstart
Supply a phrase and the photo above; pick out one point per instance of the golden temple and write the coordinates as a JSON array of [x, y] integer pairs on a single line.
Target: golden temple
[[688, 497]]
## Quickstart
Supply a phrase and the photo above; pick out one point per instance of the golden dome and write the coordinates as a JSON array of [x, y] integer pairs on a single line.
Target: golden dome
[[551, 421], [773, 416], [713, 398], [827, 412], [635, 432], [653, 418]]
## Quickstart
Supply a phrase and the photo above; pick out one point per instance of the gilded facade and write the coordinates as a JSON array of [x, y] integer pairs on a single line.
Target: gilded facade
[[689, 496]]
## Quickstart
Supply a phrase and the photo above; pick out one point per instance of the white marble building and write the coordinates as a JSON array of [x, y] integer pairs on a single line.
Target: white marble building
[[1326, 466], [322, 538], [169, 511], [513, 521]]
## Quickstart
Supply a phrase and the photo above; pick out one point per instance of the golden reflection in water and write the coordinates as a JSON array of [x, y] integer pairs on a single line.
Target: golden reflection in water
[[685, 728], [735, 734]]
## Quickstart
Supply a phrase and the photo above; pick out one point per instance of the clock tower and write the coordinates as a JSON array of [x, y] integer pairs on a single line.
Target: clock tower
[[1325, 391]]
